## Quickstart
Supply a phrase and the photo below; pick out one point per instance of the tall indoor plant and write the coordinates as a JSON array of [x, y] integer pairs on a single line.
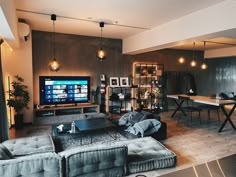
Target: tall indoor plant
[[18, 100]]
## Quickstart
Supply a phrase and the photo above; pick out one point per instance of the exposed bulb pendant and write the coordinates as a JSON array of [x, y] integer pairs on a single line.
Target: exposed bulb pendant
[[193, 62], [101, 54], [181, 60], [54, 65], [204, 66]]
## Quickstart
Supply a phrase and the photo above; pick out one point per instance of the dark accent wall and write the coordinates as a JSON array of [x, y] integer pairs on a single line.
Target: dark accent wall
[[77, 55], [220, 76]]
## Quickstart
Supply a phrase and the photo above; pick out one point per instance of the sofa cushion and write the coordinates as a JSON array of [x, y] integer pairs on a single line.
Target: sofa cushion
[[99, 160], [36, 165], [5, 154], [146, 154], [30, 145]]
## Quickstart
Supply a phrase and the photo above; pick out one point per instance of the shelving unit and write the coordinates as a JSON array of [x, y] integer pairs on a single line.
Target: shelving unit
[[116, 104], [150, 82]]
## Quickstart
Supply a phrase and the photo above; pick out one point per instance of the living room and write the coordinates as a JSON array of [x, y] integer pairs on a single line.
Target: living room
[[77, 57]]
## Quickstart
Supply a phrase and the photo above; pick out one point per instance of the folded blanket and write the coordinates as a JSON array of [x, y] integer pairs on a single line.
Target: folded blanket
[[145, 127], [124, 120], [131, 118]]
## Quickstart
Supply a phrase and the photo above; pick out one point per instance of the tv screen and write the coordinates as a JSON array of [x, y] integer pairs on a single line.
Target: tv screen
[[64, 89]]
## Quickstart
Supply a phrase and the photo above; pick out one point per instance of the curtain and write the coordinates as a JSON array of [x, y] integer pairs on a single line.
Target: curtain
[[4, 130]]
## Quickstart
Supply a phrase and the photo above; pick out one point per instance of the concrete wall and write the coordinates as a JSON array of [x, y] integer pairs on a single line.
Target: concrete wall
[[77, 57]]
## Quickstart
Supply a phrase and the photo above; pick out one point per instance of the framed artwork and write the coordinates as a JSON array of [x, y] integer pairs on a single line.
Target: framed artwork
[[114, 82], [124, 81], [102, 77]]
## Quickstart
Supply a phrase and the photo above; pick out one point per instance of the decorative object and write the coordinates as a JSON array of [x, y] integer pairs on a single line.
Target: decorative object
[[193, 62], [102, 77], [124, 81], [204, 66], [114, 82], [18, 100], [54, 65], [101, 54]]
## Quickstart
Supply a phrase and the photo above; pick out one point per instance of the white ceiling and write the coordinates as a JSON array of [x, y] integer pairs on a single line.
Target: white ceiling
[[82, 14], [126, 20]]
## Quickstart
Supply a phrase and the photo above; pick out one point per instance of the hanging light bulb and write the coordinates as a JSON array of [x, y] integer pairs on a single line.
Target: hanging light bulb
[[193, 62], [204, 66], [181, 60], [101, 54], [54, 65]]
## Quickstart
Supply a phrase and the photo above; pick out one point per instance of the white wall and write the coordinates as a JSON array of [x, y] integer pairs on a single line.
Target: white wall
[[19, 62]]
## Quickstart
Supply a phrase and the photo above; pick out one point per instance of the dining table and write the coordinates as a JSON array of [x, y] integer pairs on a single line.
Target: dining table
[[222, 103]]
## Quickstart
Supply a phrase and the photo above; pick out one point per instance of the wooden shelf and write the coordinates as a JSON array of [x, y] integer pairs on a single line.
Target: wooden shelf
[[66, 110]]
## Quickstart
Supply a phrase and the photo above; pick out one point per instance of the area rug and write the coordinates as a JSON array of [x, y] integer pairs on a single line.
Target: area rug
[[35, 131], [68, 141]]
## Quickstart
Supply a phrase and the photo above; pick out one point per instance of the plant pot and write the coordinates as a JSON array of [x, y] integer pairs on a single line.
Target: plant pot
[[19, 123]]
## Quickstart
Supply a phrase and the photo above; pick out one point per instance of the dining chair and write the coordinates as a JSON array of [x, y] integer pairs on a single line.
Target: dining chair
[[189, 108], [210, 108]]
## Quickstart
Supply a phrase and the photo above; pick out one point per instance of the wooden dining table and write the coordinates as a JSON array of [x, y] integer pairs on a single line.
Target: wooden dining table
[[209, 101]]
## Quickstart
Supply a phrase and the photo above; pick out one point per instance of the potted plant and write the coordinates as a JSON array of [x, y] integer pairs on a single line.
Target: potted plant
[[18, 100]]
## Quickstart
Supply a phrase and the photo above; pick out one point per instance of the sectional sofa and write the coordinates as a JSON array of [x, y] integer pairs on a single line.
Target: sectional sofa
[[36, 157]]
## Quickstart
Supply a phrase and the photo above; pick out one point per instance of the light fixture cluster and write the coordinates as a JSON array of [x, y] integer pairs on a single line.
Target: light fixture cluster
[[54, 65], [193, 63]]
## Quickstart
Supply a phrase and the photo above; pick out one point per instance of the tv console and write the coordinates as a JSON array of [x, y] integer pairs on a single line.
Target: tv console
[[57, 114]]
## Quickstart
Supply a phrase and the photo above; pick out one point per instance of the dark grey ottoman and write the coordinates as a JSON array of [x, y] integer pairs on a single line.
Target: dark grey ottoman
[[146, 154]]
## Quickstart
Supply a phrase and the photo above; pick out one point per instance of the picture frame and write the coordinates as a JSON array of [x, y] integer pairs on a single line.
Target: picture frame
[[124, 81], [102, 77], [114, 82]]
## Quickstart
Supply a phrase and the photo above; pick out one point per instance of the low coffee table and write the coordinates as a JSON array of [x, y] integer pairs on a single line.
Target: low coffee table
[[84, 126], [87, 125]]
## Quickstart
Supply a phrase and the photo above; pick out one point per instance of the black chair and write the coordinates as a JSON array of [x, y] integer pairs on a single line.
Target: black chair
[[210, 108], [188, 108]]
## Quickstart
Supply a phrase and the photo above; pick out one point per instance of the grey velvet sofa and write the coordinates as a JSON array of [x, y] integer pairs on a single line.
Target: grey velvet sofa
[[36, 157], [30, 157]]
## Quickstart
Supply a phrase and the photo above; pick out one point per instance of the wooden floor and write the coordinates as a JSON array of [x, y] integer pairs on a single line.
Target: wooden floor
[[193, 144]]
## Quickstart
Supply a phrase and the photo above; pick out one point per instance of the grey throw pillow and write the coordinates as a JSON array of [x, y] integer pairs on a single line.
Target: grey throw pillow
[[5, 154]]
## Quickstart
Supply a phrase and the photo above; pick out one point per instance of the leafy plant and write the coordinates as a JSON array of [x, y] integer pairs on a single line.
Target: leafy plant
[[19, 95]]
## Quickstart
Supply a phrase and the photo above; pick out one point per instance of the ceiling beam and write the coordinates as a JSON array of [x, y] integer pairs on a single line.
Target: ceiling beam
[[208, 23], [8, 18]]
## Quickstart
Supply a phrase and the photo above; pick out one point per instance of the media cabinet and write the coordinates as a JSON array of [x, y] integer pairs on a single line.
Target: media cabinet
[[59, 114]]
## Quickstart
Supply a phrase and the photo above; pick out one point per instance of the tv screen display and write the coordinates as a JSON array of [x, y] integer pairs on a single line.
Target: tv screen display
[[64, 89]]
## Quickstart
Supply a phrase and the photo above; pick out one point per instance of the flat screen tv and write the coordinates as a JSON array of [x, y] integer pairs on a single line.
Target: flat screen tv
[[64, 89]]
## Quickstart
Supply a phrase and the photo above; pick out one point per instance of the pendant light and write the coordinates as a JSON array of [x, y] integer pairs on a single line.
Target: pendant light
[[54, 65], [193, 62], [204, 66], [101, 54]]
